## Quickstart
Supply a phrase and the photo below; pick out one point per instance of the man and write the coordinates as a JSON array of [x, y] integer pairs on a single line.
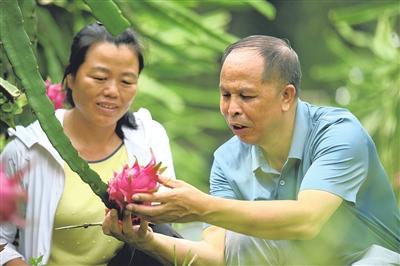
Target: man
[[297, 184]]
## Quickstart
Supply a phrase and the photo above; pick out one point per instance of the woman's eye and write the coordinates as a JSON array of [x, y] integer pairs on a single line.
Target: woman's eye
[[99, 78]]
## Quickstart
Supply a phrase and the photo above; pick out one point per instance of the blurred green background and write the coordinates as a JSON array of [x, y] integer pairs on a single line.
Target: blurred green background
[[349, 51]]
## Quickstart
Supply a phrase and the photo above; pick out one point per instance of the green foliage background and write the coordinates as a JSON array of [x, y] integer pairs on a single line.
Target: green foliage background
[[349, 52]]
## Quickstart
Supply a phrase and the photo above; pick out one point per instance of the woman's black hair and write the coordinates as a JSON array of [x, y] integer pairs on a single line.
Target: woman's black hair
[[81, 43]]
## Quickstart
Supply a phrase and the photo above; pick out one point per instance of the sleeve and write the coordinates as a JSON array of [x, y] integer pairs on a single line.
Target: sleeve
[[219, 184], [10, 160], [340, 160]]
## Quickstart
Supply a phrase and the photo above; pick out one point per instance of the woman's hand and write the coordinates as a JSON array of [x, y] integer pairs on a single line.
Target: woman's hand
[[137, 236]]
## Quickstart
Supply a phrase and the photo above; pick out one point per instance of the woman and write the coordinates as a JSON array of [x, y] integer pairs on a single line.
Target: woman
[[101, 81]]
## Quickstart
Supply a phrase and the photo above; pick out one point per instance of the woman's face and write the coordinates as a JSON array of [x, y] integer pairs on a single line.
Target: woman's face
[[105, 84]]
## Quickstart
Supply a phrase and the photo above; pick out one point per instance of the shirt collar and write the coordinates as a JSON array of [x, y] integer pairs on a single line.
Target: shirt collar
[[301, 127], [258, 161], [256, 157]]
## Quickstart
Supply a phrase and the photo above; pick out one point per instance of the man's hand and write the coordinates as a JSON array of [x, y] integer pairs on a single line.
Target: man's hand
[[182, 203], [137, 236]]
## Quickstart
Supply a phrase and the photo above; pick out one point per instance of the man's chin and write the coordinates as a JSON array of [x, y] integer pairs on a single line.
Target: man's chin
[[246, 139]]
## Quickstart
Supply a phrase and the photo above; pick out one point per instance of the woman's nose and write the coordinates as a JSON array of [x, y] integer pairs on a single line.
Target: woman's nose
[[111, 88]]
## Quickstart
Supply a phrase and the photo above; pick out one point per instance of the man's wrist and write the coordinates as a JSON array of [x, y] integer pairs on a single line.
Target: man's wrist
[[209, 209]]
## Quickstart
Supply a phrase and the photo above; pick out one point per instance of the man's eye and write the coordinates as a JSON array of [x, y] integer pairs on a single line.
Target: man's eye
[[127, 82], [246, 97]]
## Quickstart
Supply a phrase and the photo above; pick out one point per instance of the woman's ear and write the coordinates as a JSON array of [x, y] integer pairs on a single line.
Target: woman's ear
[[70, 81], [288, 96]]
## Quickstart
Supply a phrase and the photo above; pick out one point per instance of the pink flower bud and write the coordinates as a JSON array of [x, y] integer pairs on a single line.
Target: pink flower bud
[[55, 93], [11, 194]]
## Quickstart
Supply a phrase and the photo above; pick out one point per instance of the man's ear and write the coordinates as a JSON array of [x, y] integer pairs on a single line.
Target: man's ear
[[288, 96]]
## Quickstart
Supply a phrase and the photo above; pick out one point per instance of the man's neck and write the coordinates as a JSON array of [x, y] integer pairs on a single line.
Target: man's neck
[[277, 157], [276, 151]]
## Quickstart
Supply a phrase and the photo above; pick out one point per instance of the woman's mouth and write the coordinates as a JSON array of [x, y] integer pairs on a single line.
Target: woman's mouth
[[107, 107]]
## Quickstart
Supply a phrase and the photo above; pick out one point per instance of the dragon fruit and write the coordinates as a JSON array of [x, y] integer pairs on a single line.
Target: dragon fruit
[[132, 180], [11, 194], [55, 93]]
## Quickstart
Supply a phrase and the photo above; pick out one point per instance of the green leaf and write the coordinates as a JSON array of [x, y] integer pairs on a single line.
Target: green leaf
[[365, 12], [54, 38], [383, 44], [264, 7], [12, 91], [35, 261], [187, 18], [108, 13], [19, 51], [28, 8], [6, 107], [157, 90], [375, 96]]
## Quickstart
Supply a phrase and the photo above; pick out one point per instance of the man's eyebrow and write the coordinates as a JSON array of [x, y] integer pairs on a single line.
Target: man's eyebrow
[[241, 89], [128, 73]]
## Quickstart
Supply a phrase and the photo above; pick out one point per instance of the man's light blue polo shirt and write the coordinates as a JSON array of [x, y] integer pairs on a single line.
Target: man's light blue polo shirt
[[330, 151]]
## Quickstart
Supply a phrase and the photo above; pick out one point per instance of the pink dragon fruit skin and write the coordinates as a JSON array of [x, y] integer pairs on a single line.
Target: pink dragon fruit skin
[[132, 180], [55, 93], [11, 194]]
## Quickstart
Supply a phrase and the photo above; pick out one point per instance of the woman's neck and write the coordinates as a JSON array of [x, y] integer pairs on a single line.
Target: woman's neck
[[92, 142]]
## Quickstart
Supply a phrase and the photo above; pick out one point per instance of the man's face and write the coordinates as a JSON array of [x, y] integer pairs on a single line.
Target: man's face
[[251, 107]]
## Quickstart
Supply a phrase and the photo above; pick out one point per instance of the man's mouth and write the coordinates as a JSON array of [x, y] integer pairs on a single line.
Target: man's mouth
[[237, 126]]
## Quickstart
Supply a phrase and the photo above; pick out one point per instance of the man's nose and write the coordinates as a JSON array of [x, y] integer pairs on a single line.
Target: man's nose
[[234, 107]]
